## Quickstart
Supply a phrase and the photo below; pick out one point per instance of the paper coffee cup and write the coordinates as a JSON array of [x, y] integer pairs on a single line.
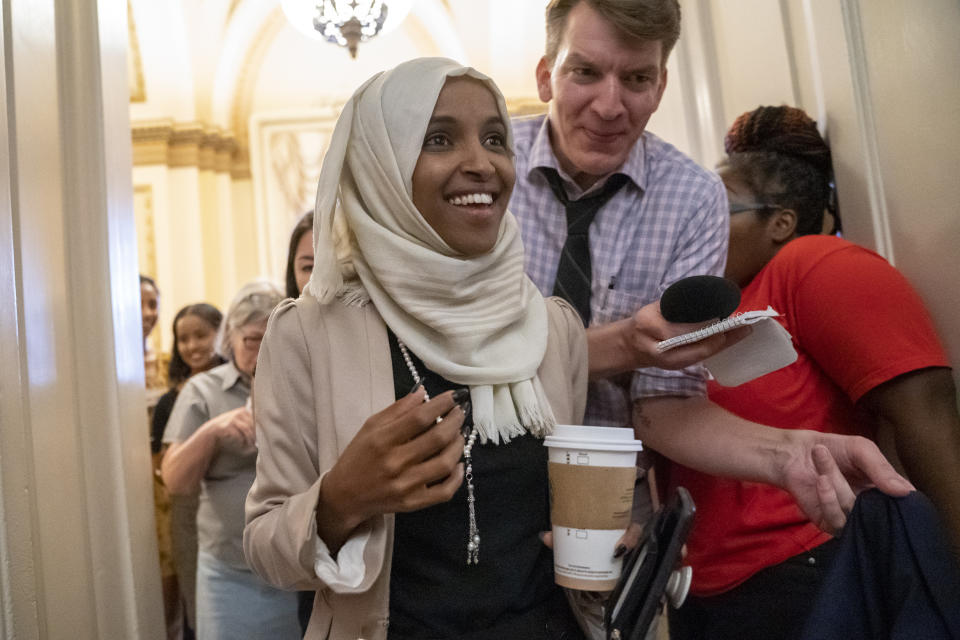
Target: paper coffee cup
[[592, 475]]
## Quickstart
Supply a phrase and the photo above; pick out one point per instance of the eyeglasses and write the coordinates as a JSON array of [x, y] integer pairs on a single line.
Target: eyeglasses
[[753, 206], [252, 342]]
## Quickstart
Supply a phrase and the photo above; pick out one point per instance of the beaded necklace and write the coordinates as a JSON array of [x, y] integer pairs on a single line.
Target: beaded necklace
[[473, 535]]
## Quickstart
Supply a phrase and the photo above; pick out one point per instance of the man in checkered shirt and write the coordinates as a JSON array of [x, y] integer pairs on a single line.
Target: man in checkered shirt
[[603, 75], [668, 221]]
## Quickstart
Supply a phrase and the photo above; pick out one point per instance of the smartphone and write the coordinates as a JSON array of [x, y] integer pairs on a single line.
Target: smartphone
[[636, 598]]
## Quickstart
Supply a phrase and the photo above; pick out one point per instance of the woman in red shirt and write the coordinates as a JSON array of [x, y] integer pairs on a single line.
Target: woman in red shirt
[[869, 364]]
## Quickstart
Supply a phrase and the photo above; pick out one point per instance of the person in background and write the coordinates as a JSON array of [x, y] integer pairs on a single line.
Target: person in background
[[149, 306], [299, 268], [212, 449], [194, 351], [300, 255], [194, 335], [155, 382], [870, 365], [153, 369]]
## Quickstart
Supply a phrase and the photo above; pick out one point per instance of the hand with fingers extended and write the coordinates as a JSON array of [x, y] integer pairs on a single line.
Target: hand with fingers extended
[[404, 458], [234, 431], [828, 471]]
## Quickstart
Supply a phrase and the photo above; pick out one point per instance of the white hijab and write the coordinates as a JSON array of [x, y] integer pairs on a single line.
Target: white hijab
[[476, 321]]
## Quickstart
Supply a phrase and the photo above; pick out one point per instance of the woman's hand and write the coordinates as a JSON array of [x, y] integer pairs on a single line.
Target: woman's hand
[[402, 459], [185, 463], [234, 431]]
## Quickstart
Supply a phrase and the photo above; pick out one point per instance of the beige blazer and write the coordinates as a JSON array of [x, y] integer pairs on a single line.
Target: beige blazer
[[322, 371]]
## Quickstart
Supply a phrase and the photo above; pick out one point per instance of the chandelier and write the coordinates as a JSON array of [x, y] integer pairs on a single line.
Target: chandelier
[[346, 22]]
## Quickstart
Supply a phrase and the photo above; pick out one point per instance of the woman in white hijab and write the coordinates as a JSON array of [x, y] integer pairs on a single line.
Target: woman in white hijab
[[401, 402]]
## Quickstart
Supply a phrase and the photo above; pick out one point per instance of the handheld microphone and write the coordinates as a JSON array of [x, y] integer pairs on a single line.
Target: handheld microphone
[[699, 298]]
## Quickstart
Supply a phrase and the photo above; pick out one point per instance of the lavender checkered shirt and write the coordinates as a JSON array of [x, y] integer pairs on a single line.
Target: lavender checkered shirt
[[671, 221]]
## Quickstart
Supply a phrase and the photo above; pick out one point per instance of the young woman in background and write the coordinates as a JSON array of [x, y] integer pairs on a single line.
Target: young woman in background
[[194, 335]]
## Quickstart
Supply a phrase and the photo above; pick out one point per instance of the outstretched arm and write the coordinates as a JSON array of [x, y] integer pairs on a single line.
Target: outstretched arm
[[699, 434], [918, 412]]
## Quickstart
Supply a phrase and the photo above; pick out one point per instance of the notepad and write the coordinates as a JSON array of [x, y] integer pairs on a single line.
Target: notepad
[[734, 321], [768, 347]]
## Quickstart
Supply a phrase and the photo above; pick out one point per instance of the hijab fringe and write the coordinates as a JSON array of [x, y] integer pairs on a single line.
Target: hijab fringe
[[353, 295]]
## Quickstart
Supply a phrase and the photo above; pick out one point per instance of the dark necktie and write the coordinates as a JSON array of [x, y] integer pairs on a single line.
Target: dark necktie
[[574, 273]]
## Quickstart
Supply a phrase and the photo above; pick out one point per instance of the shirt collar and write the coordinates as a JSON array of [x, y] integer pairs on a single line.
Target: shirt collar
[[231, 376], [542, 156]]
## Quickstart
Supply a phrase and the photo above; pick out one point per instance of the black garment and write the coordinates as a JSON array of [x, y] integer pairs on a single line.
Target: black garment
[[574, 271], [772, 605], [161, 414], [893, 577], [511, 592], [304, 609]]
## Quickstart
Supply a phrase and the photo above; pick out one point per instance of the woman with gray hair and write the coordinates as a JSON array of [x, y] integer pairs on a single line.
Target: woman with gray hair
[[212, 451]]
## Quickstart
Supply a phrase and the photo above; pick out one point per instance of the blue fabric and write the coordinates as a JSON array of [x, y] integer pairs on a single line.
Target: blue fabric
[[234, 604], [893, 576]]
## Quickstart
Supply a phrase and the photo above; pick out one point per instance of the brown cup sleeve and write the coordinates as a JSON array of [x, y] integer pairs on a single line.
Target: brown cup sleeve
[[585, 497]]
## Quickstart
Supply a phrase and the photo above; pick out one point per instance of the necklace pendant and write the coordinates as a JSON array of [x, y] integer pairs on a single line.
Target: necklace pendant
[[470, 438], [473, 548]]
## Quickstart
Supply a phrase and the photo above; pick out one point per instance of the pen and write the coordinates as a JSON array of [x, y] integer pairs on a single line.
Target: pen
[[606, 294]]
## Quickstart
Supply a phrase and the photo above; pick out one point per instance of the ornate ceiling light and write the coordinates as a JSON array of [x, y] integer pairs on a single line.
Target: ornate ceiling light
[[346, 22]]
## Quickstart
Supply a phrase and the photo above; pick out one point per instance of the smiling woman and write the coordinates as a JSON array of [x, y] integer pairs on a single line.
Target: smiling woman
[[194, 332], [464, 176], [365, 486]]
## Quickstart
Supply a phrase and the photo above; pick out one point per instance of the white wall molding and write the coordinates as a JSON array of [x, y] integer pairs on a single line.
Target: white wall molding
[[863, 102], [76, 486], [286, 152], [19, 591], [699, 84]]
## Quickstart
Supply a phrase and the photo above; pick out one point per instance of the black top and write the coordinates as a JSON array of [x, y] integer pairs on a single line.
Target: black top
[[161, 414], [511, 592]]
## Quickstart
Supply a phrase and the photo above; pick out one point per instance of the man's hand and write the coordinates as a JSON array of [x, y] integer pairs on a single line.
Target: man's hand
[[826, 472], [631, 343]]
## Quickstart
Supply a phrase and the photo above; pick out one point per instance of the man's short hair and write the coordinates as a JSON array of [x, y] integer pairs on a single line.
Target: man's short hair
[[649, 20]]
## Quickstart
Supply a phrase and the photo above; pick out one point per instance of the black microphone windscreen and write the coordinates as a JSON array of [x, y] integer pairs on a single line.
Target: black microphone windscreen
[[699, 298]]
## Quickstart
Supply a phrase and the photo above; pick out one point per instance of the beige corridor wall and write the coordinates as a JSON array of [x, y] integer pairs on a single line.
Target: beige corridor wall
[[194, 222], [880, 78], [913, 55]]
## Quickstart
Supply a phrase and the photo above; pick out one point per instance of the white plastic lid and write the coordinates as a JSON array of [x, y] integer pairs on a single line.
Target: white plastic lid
[[568, 436]]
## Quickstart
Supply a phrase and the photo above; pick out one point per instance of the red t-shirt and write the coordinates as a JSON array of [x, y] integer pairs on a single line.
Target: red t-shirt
[[856, 323]]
